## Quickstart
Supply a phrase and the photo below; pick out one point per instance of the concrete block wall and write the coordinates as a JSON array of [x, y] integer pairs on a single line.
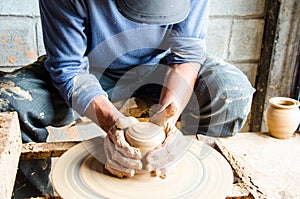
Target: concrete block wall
[[235, 33], [20, 33]]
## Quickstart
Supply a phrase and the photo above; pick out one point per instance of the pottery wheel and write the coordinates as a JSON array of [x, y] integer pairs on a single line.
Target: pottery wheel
[[80, 173]]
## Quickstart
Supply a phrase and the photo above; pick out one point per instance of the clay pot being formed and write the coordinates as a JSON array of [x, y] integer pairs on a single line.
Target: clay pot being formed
[[282, 117], [145, 136]]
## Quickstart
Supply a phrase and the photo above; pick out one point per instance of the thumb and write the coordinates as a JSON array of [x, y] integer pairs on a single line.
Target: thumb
[[125, 122], [162, 114]]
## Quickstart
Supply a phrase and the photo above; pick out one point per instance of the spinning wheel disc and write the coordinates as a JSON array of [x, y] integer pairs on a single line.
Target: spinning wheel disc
[[80, 173]]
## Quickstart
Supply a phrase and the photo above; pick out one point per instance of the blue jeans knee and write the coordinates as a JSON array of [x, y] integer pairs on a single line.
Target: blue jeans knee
[[221, 101]]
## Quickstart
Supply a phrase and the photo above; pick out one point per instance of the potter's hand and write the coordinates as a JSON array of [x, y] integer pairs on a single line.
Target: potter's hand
[[164, 159], [122, 159], [165, 116], [178, 87]]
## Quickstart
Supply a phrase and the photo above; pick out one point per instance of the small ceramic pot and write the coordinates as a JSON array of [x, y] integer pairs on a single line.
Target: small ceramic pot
[[282, 117], [145, 136]]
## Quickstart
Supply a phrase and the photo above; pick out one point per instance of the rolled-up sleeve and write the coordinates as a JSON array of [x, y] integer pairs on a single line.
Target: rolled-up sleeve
[[187, 40], [85, 88], [65, 43]]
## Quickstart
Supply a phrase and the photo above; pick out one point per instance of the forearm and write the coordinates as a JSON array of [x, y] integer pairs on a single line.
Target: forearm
[[103, 112], [179, 84]]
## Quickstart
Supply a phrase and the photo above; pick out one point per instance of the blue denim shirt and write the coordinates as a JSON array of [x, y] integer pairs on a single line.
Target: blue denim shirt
[[84, 37]]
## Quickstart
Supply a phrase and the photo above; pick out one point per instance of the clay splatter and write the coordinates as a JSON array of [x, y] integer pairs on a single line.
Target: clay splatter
[[9, 88], [42, 115], [11, 59], [29, 53]]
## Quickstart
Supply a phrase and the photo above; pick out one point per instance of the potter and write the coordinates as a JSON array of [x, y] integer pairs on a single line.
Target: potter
[[98, 55], [282, 117]]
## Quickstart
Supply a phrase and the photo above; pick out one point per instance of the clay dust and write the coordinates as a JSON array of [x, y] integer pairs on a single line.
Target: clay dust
[[9, 88]]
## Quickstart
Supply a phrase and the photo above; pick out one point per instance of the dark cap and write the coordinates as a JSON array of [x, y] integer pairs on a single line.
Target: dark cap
[[154, 11]]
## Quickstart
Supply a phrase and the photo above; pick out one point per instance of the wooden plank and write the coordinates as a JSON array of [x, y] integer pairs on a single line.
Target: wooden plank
[[45, 150], [10, 150], [269, 167]]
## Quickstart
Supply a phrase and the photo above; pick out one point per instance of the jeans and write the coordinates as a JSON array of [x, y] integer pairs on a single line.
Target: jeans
[[219, 105]]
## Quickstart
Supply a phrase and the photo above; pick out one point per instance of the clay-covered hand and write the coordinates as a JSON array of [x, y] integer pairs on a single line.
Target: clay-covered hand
[[122, 159], [164, 159], [178, 87], [166, 116]]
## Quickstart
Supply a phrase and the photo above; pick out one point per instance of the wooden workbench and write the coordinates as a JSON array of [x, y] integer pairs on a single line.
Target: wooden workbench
[[10, 150]]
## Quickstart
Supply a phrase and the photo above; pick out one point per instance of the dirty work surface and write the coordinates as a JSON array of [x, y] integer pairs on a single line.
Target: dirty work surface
[[268, 166]]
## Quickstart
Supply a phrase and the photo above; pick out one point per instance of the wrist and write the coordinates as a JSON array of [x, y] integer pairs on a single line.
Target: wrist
[[103, 112]]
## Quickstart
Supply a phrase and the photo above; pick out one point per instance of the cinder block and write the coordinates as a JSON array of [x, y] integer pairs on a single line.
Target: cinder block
[[40, 42], [19, 7], [17, 41], [237, 7], [246, 40], [218, 37]]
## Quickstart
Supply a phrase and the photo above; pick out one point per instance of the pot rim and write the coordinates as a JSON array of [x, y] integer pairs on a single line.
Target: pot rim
[[284, 102]]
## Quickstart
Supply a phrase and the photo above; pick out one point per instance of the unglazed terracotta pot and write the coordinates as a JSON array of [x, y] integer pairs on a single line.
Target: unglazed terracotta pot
[[145, 136], [282, 117]]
